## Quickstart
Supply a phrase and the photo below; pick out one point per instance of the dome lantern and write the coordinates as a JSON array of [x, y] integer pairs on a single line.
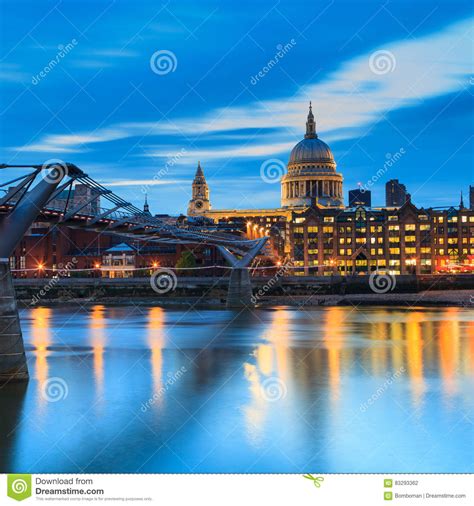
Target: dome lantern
[[310, 125]]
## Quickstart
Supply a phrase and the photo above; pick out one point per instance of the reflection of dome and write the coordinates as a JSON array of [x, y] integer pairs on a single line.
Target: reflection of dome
[[311, 150], [311, 175]]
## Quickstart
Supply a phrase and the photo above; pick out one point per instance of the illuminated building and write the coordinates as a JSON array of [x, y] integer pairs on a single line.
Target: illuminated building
[[314, 230]]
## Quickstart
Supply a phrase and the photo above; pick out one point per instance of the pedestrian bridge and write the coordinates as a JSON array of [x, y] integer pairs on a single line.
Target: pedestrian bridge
[[33, 193]]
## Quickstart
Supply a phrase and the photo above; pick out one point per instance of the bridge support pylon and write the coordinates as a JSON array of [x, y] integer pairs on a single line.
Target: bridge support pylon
[[12, 353], [239, 294], [13, 365]]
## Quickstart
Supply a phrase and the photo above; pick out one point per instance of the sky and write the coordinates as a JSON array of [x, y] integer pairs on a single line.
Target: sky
[[136, 92]]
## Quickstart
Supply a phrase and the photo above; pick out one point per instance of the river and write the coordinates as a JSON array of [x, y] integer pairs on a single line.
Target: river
[[328, 390]]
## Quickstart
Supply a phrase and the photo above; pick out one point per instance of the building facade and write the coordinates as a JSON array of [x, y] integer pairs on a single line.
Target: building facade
[[395, 193], [360, 240], [360, 197]]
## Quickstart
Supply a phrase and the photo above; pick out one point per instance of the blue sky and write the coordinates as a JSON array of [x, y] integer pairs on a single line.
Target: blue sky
[[383, 76]]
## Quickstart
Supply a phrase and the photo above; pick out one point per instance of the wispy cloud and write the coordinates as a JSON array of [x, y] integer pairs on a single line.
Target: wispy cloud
[[73, 143], [115, 53], [142, 182], [13, 74], [103, 58], [220, 152], [346, 101], [92, 64]]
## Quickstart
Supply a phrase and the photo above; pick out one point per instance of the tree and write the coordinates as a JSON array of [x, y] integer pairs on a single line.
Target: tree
[[186, 260]]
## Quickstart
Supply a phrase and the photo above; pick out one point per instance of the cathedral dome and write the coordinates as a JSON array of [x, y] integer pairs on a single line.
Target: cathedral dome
[[311, 176], [312, 150]]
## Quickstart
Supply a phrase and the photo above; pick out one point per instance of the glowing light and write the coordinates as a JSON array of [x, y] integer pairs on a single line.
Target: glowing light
[[97, 265], [155, 264], [40, 267]]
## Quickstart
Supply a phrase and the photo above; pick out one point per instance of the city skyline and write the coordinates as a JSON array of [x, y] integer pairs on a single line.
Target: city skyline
[[374, 93]]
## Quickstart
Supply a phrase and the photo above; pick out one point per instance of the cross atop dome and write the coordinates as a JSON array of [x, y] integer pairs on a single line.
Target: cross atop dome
[[310, 125]]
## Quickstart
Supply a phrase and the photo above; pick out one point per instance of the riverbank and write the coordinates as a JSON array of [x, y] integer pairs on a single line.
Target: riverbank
[[432, 290], [429, 298]]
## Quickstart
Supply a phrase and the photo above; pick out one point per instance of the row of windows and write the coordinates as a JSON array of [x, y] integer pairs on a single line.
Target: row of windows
[[362, 263], [408, 226], [374, 229]]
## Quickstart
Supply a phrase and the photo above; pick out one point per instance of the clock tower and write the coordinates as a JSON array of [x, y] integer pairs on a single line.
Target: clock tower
[[199, 202]]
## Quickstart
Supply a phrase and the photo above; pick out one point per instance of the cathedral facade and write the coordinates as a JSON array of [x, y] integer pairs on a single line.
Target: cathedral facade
[[320, 236]]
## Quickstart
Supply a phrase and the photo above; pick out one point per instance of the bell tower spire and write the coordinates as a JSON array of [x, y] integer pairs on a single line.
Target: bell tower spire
[[146, 207], [310, 125], [199, 202]]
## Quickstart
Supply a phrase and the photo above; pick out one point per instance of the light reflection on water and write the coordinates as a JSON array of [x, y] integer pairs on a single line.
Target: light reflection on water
[[276, 390]]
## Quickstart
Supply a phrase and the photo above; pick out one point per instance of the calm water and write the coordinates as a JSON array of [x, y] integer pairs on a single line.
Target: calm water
[[277, 390]]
